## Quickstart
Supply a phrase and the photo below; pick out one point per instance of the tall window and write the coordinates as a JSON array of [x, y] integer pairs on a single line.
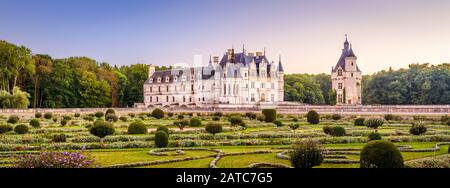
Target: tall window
[[167, 98], [253, 85], [272, 97], [339, 85], [253, 97], [173, 99], [167, 88], [340, 98], [224, 89], [339, 72]]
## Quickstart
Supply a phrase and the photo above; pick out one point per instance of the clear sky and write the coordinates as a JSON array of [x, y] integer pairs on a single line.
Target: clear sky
[[309, 34]]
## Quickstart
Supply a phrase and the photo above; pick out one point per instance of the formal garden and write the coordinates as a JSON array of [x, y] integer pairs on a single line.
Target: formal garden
[[164, 139]]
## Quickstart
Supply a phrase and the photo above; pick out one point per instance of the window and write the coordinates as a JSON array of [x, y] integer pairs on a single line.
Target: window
[[156, 99], [253, 97], [253, 85], [159, 88], [173, 99], [203, 99], [190, 99], [175, 78], [151, 88], [246, 85], [339, 85], [175, 88], [229, 89], [245, 74], [167, 79], [167, 98], [192, 87], [159, 79], [151, 80], [167, 88], [262, 85], [339, 72], [224, 89], [151, 99], [272, 97], [340, 98], [352, 63], [184, 99], [352, 74]]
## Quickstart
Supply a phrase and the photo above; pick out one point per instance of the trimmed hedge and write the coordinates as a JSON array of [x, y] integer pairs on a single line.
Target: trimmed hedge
[[381, 154], [161, 139], [157, 113]]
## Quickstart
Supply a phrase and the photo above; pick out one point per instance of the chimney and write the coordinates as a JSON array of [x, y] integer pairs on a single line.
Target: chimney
[[259, 54], [151, 70], [251, 54], [216, 59]]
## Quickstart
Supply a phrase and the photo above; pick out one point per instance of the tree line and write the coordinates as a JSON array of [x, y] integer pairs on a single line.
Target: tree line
[[40, 81]]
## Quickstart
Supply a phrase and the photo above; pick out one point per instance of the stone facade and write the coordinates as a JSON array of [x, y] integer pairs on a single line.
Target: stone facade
[[346, 77], [237, 79]]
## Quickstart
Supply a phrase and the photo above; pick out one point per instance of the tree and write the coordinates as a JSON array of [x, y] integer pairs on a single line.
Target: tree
[[306, 154], [213, 128], [101, 129], [294, 126]]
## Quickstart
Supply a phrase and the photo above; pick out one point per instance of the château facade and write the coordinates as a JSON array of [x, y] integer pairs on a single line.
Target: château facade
[[346, 77], [238, 79]]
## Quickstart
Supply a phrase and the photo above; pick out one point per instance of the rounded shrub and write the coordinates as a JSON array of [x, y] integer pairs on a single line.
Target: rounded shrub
[[260, 118], [215, 118], [13, 119], [373, 123], [235, 120], [38, 115], [181, 124], [67, 118], [312, 117], [35, 123], [77, 115], [59, 138], [123, 118], [48, 115], [327, 129], [213, 128], [161, 139], [251, 115], [417, 129], [170, 114], [157, 113], [64, 122], [380, 154], [4, 128], [270, 115], [101, 129], [137, 127], [111, 117], [388, 117], [163, 128], [306, 154], [219, 114], [195, 122], [55, 119], [99, 114], [110, 111], [374, 136], [132, 115], [336, 116], [278, 123], [338, 131], [294, 126], [21, 129], [295, 119], [448, 123], [180, 116], [359, 121]]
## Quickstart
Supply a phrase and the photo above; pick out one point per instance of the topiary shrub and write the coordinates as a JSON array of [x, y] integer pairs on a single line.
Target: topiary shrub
[[219, 114], [251, 115], [373, 123], [157, 113], [4, 128], [327, 129], [306, 154], [38, 115], [181, 124], [67, 118], [261, 118], [270, 115], [59, 138], [417, 129], [374, 136], [99, 114], [48, 115], [35, 123], [137, 127], [180, 116], [215, 118], [235, 120], [110, 111], [77, 115], [161, 139], [294, 126], [13, 119], [359, 121], [295, 119], [336, 116], [123, 118], [111, 117], [101, 129], [380, 154], [312, 117], [338, 131], [21, 129], [132, 115], [213, 128], [163, 128], [278, 123], [55, 119], [64, 122], [170, 114], [195, 122], [388, 117]]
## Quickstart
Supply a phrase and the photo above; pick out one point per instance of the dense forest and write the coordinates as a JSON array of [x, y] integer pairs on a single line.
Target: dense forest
[[40, 81]]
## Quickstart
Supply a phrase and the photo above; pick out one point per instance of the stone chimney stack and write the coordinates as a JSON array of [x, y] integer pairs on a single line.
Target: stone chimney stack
[[216, 59], [151, 70]]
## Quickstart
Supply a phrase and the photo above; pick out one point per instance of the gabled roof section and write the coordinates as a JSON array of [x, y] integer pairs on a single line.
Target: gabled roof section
[[346, 52]]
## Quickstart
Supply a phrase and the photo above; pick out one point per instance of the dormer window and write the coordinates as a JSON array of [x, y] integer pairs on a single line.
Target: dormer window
[[167, 79], [159, 79], [151, 80], [175, 78], [339, 72]]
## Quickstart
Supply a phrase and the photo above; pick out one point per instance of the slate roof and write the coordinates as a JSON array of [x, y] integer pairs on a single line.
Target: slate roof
[[346, 52]]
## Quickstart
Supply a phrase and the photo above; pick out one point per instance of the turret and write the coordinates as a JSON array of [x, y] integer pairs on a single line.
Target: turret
[[151, 70]]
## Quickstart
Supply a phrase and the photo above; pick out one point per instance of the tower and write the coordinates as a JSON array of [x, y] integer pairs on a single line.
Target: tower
[[280, 73], [346, 77]]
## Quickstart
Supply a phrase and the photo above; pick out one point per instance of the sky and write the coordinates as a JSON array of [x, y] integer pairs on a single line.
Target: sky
[[308, 34]]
